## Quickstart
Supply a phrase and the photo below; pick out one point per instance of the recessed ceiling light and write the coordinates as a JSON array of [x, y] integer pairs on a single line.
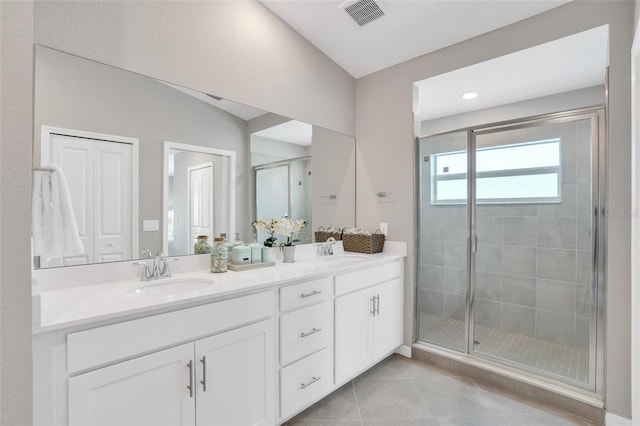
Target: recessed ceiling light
[[470, 95]]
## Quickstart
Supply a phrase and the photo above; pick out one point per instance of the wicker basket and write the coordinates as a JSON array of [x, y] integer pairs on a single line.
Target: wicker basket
[[368, 244], [320, 236]]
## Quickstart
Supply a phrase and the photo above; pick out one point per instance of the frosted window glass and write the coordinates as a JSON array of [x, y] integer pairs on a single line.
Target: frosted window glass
[[525, 172]]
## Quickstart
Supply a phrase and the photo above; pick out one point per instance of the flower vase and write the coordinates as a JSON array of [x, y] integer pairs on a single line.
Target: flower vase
[[288, 252], [270, 254]]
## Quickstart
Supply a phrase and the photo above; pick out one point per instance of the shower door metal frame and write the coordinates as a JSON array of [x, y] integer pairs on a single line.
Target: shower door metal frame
[[280, 163], [597, 115]]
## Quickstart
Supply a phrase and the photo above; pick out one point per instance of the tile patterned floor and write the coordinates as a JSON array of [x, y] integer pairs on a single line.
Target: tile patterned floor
[[546, 356], [405, 392]]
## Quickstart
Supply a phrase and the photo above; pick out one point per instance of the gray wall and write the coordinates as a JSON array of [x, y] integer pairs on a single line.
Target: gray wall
[[16, 124], [210, 50], [74, 93], [384, 123], [235, 49]]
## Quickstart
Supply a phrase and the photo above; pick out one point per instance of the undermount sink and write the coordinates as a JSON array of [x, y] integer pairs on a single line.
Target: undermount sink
[[172, 286]]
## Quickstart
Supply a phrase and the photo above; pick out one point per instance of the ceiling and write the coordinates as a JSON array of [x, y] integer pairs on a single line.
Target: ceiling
[[570, 63], [293, 131], [409, 28]]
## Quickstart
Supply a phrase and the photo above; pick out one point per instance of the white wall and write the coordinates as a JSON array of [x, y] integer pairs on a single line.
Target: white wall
[[384, 123]]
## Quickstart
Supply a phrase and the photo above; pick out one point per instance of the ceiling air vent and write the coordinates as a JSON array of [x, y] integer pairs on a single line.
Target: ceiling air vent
[[364, 11]]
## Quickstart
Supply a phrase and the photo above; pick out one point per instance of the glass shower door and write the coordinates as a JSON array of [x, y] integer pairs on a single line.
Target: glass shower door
[[533, 279], [442, 292]]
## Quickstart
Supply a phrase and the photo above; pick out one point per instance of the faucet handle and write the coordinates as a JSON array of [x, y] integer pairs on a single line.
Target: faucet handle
[[165, 271], [147, 273]]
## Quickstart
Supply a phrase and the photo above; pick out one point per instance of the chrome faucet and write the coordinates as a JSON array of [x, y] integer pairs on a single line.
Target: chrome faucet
[[326, 248], [160, 268]]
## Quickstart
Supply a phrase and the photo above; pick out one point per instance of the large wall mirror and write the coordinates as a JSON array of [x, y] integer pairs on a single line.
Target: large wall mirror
[[150, 165]]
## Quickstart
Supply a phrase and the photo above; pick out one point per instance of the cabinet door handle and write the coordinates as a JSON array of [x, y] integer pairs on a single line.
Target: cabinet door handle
[[378, 304], [190, 387], [313, 331], [373, 306], [204, 373], [313, 293], [313, 380]]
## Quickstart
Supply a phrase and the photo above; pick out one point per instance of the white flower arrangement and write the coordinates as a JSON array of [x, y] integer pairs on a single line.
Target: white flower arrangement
[[285, 226]]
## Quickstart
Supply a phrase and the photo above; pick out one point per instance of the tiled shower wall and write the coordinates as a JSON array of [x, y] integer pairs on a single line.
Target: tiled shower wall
[[534, 260]]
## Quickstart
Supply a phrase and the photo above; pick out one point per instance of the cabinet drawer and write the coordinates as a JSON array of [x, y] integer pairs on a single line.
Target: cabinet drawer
[[304, 382], [91, 348], [357, 280], [305, 293], [304, 331]]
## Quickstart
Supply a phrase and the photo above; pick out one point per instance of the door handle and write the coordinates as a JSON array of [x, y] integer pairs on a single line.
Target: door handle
[[204, 373], [373, 306], [377, 299], [313, 380], [315, 330], [190, 387]]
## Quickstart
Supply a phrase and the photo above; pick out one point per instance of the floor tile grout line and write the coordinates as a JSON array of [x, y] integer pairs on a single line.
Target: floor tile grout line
[[355, 395]]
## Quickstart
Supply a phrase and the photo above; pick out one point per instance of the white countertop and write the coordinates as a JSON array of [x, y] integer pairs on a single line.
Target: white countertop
[[96, 303]]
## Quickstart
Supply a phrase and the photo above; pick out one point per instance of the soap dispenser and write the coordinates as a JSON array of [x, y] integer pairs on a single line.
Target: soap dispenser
[[256, 250]]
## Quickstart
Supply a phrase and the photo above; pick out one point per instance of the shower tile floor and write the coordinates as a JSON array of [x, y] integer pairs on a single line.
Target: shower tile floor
[[405, 392], [566, 361]]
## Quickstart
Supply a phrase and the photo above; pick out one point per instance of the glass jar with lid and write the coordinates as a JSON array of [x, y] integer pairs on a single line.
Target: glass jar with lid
[[219, 255], [202, 245]]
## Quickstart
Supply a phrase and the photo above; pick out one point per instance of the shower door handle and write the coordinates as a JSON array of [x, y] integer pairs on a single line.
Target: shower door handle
[[474, 244]]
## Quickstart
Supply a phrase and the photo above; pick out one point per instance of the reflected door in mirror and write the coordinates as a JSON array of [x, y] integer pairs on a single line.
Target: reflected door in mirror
[[99, 175]]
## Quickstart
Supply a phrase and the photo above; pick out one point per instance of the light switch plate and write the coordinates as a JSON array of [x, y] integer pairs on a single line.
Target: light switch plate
[[150, 225]]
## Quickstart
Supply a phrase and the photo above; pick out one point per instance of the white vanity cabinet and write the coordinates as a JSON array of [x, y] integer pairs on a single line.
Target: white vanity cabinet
[[249, 358], [119, 374], [368, 318], [306, 336], [150, 390]]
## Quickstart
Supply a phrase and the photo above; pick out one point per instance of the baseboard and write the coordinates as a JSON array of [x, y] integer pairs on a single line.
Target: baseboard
[[404, 350], [613, 420]]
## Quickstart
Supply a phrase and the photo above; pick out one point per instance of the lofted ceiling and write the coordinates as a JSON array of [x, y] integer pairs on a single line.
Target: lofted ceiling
[[409, 28]]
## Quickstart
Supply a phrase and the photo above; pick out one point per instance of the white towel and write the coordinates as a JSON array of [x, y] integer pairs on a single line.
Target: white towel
[[54, 226]]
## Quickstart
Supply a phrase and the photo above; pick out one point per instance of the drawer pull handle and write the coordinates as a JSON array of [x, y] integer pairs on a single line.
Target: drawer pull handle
[[315, 330], [378, 304], [190, 387], [204, 373], [313, 293], [313, 380]]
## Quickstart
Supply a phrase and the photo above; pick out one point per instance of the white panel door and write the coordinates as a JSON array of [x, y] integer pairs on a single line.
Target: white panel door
[[112, 202], [152, 390], [75, 157], [99, 174], [200, 202], [387, 322], [236, 377], [352, 334]]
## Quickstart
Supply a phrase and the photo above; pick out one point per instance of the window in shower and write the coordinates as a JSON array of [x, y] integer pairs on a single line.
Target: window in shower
[[509, 248], [515, 173]]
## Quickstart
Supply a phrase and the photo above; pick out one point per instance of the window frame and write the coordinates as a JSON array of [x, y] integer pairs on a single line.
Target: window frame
[[528, 171]]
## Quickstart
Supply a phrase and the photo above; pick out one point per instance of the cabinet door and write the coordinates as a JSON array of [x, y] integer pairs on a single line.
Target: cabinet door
[[387, 321], [236, 377], [152, 390], [352, 334]]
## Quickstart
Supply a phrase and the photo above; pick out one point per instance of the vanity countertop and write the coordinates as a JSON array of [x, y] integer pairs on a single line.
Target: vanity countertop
[[100, 303]]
